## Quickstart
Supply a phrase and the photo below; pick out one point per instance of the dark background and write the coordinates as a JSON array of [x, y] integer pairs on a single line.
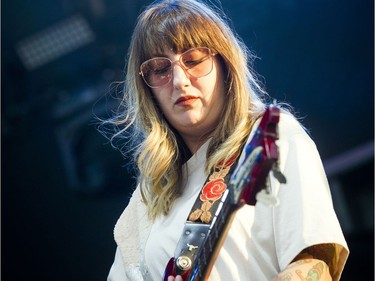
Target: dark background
[[64, 186]]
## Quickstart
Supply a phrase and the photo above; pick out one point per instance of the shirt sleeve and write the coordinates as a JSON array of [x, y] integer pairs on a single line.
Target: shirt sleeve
[[117, 271], [306, 215]]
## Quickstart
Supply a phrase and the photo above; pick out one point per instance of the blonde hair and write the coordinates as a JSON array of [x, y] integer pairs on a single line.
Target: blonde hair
[[181, 25]]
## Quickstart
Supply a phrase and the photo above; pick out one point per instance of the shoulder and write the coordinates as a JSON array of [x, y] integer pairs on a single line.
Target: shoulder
[[289, 129], [292, 134], [289, 126]]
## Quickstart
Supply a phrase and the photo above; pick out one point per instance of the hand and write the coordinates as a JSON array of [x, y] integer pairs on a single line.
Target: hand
[[178, 278]]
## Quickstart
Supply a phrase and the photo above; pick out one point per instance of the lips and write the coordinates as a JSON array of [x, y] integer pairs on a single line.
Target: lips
[[185, 100]]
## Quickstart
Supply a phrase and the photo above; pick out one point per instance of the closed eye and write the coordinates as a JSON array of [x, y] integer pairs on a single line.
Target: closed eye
[[192, 63]]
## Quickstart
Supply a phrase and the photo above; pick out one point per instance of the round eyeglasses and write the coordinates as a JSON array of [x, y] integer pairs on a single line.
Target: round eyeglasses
[[158, 71]]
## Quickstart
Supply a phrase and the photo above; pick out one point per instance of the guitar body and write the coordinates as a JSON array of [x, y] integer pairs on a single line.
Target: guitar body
[[200, 243]]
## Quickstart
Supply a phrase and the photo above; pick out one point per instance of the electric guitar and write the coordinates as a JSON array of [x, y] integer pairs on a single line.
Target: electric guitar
[[200, 243]]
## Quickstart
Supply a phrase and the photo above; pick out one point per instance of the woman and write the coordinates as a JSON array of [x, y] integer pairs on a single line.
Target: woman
[[192, 101]]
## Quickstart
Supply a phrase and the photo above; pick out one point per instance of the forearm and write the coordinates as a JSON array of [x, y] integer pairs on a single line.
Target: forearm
[[305, 270]]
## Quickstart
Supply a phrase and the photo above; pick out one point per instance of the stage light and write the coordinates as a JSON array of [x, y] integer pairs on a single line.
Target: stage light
[[54, 42]]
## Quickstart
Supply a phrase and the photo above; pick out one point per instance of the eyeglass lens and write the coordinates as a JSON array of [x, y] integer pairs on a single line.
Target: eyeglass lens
[[157, 72]]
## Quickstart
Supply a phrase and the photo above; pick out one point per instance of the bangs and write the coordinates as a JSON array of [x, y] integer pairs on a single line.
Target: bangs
[[176, 29]]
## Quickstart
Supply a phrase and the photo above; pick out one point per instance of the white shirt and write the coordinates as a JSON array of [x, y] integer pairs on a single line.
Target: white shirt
[[262, 241]]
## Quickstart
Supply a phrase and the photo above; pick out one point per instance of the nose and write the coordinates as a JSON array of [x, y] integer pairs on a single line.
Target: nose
[[180, 76]]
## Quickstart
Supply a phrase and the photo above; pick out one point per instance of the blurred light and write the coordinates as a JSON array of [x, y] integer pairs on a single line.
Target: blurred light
[[349, 159], [54, 42]]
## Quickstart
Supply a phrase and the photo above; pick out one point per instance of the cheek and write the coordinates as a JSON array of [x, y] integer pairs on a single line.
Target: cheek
[[158, 98], [215, 87], [162, 103]]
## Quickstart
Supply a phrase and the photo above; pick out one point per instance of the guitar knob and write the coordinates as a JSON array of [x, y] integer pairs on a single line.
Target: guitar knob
[[183, 262]]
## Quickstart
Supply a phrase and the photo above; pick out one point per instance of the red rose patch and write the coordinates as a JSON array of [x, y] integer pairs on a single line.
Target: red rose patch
[[213, 190]]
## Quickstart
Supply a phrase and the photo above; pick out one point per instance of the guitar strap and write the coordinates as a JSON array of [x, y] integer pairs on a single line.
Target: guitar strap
[[207, 201], [203, 211]]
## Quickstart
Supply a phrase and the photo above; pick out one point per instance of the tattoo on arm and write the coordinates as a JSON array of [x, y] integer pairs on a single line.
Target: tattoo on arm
[[305, 270], [314, 274], [324, 252]]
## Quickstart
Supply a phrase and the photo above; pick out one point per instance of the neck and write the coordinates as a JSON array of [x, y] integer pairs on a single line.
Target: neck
[[194, 143]]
